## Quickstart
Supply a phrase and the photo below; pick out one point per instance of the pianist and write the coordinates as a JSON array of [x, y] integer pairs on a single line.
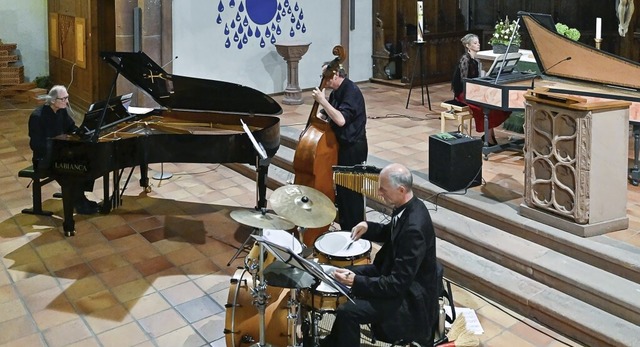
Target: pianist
[[50, 120], [469, 67]]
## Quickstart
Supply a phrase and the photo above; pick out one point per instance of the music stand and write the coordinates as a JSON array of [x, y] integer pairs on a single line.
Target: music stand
[[288, 256]]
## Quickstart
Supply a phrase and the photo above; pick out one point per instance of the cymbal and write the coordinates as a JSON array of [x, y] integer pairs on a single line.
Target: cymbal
[[282, 275], [305, 206], [260, 220]]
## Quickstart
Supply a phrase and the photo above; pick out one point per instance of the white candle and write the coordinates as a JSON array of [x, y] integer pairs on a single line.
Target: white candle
[[420, 28], [598, 28]]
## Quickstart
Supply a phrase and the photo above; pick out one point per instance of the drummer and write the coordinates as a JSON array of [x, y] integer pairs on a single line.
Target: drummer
[[397, 294]]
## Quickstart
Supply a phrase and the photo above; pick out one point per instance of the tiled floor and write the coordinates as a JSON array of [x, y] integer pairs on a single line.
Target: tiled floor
[[154, 272]]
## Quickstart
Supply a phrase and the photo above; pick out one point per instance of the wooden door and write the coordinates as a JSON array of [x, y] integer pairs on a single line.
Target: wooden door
[[78, 31]]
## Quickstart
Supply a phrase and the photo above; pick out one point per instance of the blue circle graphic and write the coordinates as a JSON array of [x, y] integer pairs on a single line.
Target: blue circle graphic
[[261, 11]]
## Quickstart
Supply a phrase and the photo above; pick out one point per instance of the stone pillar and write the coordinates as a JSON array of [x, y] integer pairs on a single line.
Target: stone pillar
[[292, 52]]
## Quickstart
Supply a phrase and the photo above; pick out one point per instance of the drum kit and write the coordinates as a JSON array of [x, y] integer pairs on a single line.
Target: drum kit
[[271, 302]]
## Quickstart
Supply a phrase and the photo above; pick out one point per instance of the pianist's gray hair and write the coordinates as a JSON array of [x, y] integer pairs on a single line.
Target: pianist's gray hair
[[54, 92], [466, 39]]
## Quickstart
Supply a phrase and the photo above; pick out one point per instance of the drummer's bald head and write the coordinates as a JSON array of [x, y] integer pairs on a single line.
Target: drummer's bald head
[[399, 176]]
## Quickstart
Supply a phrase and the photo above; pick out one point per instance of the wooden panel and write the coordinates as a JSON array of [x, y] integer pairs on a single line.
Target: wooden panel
[[81, 49], [54, 43]]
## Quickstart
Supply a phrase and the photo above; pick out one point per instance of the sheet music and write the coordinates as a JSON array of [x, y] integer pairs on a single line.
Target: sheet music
[[297, 261], [256, 145]]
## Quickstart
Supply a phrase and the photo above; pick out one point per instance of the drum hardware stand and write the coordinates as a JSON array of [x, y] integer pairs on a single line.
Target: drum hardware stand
[[292, 317], [262, 166], [261, 298]]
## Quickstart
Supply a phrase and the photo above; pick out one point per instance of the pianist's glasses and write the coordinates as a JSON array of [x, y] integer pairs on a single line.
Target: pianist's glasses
[[63, 99]]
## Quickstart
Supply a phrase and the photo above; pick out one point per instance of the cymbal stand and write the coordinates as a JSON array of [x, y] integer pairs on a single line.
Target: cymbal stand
[[262, 169]]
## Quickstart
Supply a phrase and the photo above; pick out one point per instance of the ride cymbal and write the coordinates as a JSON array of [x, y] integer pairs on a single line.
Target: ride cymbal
[[304, 206], [260, 220]]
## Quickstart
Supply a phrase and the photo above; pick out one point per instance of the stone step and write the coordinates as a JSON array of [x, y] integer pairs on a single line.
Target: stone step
[[562, 290]]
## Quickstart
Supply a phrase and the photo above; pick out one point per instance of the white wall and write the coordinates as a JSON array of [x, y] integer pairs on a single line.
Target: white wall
[[199, 43], [24, 22]]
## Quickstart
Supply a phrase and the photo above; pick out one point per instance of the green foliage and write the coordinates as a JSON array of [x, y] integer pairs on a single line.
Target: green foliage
[[571, 33], [43, 82], [503, 31]]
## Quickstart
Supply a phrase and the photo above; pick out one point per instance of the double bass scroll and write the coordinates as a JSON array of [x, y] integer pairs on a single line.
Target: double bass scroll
[[317, 150]]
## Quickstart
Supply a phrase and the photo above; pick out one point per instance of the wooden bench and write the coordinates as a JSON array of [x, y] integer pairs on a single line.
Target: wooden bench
[[38, 180], [455, 111]]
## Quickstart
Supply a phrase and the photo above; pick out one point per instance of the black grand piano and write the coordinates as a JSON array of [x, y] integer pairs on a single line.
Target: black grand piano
[[201, 121]]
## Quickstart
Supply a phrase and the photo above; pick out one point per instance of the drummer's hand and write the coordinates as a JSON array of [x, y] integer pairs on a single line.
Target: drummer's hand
[[359, 230], [318, 95], [344, 276]]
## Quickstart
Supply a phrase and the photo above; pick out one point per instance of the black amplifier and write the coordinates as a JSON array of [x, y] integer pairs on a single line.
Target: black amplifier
[[455, 161]]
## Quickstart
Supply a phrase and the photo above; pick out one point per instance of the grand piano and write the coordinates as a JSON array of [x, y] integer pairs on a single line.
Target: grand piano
[[200, 121]]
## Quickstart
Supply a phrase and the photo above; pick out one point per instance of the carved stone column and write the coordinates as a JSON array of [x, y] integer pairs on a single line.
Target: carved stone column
[[292, 52]]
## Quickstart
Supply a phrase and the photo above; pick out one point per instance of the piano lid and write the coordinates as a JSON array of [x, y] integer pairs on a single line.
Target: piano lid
[[181, 92], [562, 57]]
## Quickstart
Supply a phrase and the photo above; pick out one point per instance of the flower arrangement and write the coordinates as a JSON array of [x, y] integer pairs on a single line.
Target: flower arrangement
[[503, 31], [565, 31]]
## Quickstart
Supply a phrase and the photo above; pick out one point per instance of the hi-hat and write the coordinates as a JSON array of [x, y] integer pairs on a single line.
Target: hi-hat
[[260, 220], [305, 206]]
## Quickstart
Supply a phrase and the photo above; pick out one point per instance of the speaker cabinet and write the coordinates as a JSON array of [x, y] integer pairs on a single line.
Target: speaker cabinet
[[455, 164]]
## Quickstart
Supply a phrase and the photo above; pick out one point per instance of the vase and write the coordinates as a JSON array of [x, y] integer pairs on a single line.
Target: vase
[[501, 49]]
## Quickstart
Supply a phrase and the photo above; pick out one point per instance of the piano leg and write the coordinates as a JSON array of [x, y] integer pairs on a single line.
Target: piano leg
[[634, 173], [144, 177], [69, 191], [513, 144]]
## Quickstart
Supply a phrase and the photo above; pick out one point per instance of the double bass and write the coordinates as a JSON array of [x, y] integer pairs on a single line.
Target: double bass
[[317, 150]]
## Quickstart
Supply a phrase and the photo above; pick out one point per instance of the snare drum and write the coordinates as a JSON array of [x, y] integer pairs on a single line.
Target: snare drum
[[323, 298], [279, 237], [242, 320], [331, 248]]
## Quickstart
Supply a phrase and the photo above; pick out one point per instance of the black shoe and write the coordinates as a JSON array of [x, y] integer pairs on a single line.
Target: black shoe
[[85, 207]]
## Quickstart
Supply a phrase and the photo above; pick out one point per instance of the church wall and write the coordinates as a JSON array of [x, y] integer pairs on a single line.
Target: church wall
[[205, 50], [25, 23]]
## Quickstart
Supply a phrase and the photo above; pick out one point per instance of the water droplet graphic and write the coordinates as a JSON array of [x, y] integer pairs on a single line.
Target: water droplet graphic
[[241, 7], [298, 25], [278, 18], [245, 22], [219, 19], [278, 31], [236, 38], [286, 3], [227, 43], [301, 16], [240, 29], [273, 39], [233, 25], [304, 28], [293, 19], [238, 17], [226, 29], [262, 44], [296, 7], [239, 45], [258, 32], [292, 33], [232, 3], [249, 31], [267, 33], [220, 6]]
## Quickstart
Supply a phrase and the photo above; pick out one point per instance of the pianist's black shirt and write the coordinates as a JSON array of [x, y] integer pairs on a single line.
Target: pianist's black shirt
[[45, 124]]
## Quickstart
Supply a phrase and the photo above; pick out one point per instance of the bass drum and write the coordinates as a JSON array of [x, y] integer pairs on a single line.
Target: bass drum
[[242, 321]]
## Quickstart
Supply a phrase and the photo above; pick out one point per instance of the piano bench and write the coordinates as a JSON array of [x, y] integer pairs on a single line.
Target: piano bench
[[36, 185], [453, 111]]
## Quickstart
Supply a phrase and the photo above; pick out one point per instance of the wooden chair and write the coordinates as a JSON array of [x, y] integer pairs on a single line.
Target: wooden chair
[[455, 111]]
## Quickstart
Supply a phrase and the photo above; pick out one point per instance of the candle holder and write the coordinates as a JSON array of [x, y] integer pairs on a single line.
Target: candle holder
[[598, 42]]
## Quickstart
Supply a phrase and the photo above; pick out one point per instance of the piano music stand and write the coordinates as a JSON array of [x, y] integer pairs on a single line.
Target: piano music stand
[[419, 46]]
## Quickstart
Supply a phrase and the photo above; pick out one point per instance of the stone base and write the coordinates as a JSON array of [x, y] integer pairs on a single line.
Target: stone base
[[584, 230]]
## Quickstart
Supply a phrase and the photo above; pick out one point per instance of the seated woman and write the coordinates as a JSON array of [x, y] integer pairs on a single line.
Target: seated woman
[[470, 67]]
